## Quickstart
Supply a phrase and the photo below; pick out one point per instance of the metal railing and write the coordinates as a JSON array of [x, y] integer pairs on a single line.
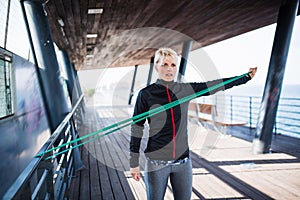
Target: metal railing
[[246, 108], [51, 178]]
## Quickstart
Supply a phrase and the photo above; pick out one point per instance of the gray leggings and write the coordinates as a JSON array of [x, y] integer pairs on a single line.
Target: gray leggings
[[156, 179]]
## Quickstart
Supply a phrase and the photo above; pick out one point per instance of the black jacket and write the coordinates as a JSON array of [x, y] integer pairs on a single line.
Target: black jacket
[[168, 138]]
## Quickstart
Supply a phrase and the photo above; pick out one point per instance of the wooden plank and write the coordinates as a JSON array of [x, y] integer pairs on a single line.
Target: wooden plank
[[138, 189], [83, 27], [213, 188], [106, 187], [117, 157], [231, 123], [75, 183], [85, 176], [95, 187], [222, 174], [114, 164], [288, 178], [123, 153], [240, 186], [114, 181], [121, 175], [268, 181], [61, 8], [74, 188], [126, 140]]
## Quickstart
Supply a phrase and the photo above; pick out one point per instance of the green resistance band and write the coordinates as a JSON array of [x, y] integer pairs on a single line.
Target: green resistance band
[[137, 118]]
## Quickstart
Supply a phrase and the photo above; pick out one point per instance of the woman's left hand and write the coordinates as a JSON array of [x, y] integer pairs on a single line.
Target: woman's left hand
[[252, 71]]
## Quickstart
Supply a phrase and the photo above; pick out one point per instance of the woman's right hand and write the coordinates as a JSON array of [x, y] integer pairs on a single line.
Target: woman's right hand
[[135, 173]]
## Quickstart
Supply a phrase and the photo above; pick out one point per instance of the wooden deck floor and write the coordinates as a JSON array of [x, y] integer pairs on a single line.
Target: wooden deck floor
[[223, 166]]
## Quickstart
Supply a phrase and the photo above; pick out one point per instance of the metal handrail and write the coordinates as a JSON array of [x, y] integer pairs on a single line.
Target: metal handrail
[[246, 108], [46, 170]]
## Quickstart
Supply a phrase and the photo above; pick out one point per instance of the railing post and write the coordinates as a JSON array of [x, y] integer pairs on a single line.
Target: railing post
[[250, 112], [49, 180], [26, 194], [39, 173], [65, 167], [231, 110], [77, 158]]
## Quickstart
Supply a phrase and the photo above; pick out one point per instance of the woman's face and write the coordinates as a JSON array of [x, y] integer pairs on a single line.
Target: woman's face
[[167, 69]]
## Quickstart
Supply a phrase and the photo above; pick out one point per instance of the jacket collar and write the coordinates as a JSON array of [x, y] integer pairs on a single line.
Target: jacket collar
[[164, 83]]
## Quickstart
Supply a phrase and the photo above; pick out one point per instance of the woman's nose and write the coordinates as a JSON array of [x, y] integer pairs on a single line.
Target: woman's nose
[[169, 68]]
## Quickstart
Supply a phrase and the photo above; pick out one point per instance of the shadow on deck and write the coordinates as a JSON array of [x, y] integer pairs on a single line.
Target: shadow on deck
[[223, 166]]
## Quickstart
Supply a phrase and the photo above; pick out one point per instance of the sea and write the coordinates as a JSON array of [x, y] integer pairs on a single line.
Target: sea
[[288, 91], [288, 113]]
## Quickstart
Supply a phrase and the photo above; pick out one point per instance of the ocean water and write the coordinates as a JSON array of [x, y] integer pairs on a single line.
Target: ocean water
[[288, 113], [288, 91]]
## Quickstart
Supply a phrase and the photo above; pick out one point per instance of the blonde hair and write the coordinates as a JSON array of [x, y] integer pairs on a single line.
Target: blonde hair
[[162, 53]]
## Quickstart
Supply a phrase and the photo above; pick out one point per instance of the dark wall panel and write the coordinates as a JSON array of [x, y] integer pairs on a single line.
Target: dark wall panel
[[22, 134]]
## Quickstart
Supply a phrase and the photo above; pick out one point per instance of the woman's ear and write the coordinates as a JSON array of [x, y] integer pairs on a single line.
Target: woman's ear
[[156, 67]]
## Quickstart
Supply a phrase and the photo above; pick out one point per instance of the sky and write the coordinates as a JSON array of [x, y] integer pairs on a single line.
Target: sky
[[235, 55], [229, 57]]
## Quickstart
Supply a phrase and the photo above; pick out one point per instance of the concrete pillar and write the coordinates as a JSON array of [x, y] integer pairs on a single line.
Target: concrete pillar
[[186, 48], [132, 85], [55, 99], [71, 81], [77, 85], [150, 71]]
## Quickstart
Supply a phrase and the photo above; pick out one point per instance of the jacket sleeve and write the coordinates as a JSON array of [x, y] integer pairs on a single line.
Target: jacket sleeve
[[137, 131], [204, 85]]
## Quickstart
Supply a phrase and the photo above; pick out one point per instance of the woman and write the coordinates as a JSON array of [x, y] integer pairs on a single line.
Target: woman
[[167, 150]]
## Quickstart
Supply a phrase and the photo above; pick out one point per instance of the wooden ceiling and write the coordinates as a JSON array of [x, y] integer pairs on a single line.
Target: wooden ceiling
[[129, 31]]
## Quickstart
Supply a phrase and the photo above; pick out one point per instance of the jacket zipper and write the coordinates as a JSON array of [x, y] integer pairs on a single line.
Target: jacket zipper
[[173, 124]]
